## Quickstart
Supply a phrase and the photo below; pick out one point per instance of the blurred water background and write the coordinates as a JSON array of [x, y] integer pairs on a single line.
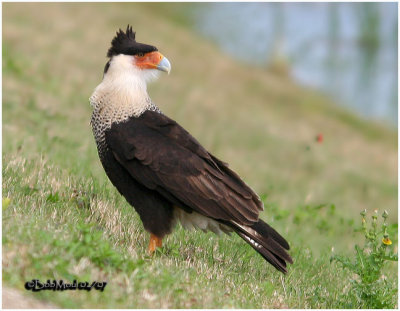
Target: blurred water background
[[346, 50]]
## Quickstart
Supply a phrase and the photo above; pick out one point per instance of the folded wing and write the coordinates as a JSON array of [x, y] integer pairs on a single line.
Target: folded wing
[[158, 153]]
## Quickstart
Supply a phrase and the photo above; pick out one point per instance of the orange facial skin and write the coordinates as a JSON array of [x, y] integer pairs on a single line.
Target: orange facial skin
[[148, 60]]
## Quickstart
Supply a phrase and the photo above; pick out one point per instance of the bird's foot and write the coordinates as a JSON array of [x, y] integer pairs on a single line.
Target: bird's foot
[[155, 242]]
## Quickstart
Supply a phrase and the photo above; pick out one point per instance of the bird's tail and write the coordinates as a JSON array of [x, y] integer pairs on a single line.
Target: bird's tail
[[267, 242]]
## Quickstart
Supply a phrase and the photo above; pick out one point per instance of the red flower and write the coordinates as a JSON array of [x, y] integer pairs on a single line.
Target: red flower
[[319, 138]]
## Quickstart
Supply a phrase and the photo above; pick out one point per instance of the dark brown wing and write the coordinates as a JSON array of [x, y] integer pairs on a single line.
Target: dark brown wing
[[161, 155]]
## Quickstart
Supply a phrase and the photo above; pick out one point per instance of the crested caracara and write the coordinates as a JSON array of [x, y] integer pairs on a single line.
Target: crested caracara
[[161, 170]]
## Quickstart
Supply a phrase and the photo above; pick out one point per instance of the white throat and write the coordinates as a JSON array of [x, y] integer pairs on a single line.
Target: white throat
[[124, 87], [122, 94]]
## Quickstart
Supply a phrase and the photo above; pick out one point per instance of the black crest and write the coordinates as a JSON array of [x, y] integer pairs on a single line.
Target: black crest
[[125, 43]]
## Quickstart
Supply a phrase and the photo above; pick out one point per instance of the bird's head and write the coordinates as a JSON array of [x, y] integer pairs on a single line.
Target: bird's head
[[129, 57]]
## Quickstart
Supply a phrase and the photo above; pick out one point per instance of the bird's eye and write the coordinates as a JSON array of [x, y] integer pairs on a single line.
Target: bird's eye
[[140, 54]]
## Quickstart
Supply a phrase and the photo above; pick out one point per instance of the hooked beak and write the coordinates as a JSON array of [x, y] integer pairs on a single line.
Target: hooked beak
[[164, 65]]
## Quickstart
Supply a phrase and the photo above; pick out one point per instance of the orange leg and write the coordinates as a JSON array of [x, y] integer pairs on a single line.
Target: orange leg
[[155, 241]]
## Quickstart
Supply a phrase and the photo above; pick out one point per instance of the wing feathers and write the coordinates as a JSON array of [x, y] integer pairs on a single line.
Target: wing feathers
[[160, 154]]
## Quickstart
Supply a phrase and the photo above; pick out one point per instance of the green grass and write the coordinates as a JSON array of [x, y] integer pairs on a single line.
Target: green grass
[[66, 227], [370, 289], [65, 220]]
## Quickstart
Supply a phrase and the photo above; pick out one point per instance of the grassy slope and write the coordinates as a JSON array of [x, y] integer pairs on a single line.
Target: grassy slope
[[65, 220]]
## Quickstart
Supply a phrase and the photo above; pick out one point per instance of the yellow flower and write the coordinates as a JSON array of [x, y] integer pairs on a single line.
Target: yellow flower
[[386, 241], [6, 201]]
